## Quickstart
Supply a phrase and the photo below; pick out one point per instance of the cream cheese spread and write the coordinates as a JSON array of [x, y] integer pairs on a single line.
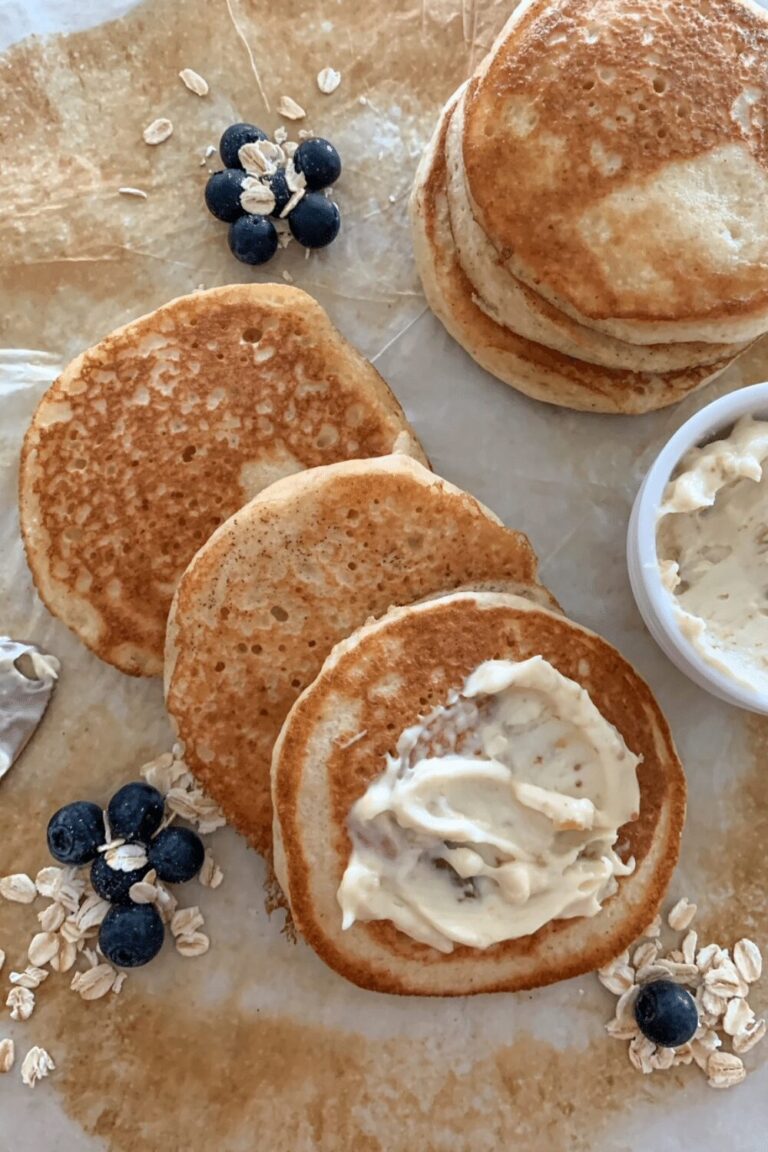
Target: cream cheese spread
[[498, 813], [712, 549]]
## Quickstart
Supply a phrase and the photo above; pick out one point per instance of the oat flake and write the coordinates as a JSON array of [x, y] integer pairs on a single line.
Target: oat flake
[[211, 875], [7, 1054], [35, 1066], [724, 1070], [95, 982], [192, 944], [2, 959], [328, 80], [30, 978], [52, 917], [158, 131], [738, 1016], [126, 857], [194, 81], [19, 888], [288, 108], [21, 1002], [256, 197], [66, 956], [681, 915], [186, 921], [137, 193], [748, 960], [743, 1041], [43, 948]]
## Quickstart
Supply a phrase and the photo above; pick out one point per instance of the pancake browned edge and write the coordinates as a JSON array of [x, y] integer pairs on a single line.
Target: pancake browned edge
[[531, 368], [379, 682], [292, 573], [152, 438]]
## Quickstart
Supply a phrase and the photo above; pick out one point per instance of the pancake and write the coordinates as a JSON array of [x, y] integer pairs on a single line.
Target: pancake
[[385, 678], [513, 304], [633, 189], [152, 438], [531, 368], [295, 571]]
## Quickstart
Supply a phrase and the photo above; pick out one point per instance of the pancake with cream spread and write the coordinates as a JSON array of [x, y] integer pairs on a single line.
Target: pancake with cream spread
[[152, 438], [616, 157], [288, 576], [474, 795]]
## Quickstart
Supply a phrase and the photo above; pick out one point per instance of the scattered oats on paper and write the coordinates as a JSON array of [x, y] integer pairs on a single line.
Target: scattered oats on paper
[[194, 81], [158, 131], [328, 80], [719, 984], [288, 108]]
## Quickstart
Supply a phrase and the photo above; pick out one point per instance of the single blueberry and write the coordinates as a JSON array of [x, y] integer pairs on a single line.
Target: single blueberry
[[136, 811], [113, 885], [253, 239], [76, 832], [315, 221], [666, 1013], [233, 139], [131, 934], [176, 854], [280, 190], [222, 194], [319, 161]]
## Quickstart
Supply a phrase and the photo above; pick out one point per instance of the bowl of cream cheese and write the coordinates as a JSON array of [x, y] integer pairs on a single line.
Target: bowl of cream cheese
[[697, 548]]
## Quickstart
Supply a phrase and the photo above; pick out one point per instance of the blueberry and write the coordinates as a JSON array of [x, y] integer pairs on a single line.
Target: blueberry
[[76, 832], [280, 190], [176, 854], [234, 138], [666, 1013], [319, 161], [136, 811], [222, 194], [113, 885], [253, 239], [131, 934], [315, 221]]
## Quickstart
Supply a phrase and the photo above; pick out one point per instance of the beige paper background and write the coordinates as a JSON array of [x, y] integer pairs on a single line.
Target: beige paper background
[[257, 1045]]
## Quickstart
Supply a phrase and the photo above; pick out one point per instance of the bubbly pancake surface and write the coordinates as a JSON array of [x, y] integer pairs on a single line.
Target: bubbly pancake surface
[[635, 175], [381, 681], [152, 438], [295, 571]]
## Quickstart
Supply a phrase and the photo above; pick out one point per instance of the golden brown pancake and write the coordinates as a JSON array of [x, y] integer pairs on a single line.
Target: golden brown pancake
[[151, 439], [617, 157], [381, 681], [288, 576], [531, 368]]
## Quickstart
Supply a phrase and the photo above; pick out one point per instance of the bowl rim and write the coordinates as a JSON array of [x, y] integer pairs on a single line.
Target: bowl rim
[[718, 416]]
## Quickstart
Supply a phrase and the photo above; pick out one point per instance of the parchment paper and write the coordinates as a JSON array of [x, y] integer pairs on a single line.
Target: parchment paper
[[258, 1045]]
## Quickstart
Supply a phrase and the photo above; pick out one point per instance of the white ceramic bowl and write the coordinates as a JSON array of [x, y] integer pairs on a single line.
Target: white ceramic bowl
[[653, 600]]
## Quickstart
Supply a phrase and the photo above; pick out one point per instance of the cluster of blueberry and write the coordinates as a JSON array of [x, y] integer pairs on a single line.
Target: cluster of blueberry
[[314, 220], [131, 934]]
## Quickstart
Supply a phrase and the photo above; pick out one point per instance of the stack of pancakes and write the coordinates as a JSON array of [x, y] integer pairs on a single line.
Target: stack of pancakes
[[591, 216]]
